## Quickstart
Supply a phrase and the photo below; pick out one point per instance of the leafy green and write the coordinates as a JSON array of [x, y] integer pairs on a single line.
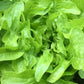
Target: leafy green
[[12, 15], [70, 8], [5, 5], [79, 3], [37, 7], [64, 82], [41, 41], [43, 64], [58, 71], [81, 74], [20, 78], [77, 52], [10, 55], [19, 65]]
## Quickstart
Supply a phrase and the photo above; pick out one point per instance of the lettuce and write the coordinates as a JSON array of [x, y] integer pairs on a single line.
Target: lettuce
[[41, 41]]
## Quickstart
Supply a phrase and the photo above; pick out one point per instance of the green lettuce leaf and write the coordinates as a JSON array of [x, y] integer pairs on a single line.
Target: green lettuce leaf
[[5, 5], [64, 82], [79, 3], [37, 7], [20, 78], [19, 65], [7, 55], [43, 64], [41, 41], [77, 49], [58, 71], [81, 74], [12, 14]]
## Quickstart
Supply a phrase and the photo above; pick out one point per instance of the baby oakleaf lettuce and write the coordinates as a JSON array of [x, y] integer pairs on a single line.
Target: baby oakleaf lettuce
[[64, 82], [37, 7], [13, 13], [77, 43], [19, 65], [43, 64], [7, 55], [10, 40], [5, 5], [20, 78], [41, 41], [58, 71], [81, 74]]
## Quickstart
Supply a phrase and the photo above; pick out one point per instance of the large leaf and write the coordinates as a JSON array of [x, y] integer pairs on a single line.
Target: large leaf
[[37, 7], [76, 49], [18, 78], [7, 55], [58, 71], [13, 13], [43, 64]]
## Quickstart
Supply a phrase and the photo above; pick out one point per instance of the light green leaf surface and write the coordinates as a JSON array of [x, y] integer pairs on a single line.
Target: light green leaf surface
[[18, 78], [81, 74], [77, 43], [41, 41], [58, 71], [43, 64], [4, 56]]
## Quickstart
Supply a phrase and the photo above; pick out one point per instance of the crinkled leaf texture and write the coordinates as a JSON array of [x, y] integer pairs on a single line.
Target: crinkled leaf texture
[[41, 41], [58, 71], [43, 64], [18, 78], [10, 55], [77, 49]]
